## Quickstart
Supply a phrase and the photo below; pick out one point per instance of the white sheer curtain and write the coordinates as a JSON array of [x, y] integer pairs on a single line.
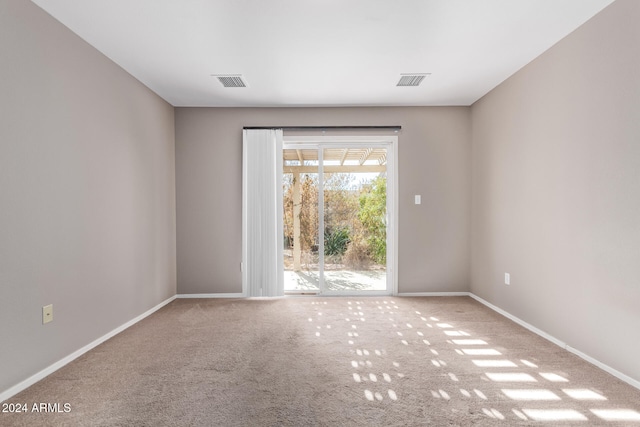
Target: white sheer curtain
[[262, 240]]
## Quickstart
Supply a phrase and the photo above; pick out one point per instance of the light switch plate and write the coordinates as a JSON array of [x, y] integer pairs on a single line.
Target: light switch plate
[[418, 199], [47, 313]]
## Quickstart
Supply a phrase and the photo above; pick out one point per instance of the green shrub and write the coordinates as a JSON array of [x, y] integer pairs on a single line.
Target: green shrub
[[372, 214], [336, 241]]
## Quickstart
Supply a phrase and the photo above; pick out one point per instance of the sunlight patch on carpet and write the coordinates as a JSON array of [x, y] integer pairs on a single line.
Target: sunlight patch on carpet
[[510, 377], [469, 342], [555, 415], [617, 414], [530, 394], [481, 352], [550, 376], [493, 413], [494, 363], [583, 394], [456, 333]]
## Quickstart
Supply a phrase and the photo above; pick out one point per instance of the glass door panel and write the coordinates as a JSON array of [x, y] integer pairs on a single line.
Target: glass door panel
[[301, 221], [354, 218]]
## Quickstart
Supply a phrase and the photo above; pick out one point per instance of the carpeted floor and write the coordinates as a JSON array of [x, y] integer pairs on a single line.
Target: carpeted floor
[[376, 361]]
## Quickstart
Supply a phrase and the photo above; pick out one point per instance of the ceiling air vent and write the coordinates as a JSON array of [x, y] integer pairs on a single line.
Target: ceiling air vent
[[411, 79], [231, 80]]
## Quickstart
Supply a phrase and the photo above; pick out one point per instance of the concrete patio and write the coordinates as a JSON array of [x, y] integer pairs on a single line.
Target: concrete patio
[[335, 280]]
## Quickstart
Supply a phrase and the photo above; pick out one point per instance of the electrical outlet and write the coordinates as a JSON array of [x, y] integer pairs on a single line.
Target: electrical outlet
[[507, 279], [47, 314]]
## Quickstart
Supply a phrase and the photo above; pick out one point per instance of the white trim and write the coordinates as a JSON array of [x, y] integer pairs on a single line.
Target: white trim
[[245, 220], [631, 381], [322, 286], [230, 295], [12, 391], [356, 294], [434, 294], [520, 322], [338, 139], [626, 378], [394, 224]]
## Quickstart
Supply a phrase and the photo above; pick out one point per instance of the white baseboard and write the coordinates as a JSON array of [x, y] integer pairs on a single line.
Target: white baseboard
[[626, 378], [7, 394], [631, 381], [233, 295], [433, 294], [520, 322]]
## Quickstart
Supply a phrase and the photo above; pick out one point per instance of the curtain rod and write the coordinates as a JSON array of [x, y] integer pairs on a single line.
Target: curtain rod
[[297, 128]]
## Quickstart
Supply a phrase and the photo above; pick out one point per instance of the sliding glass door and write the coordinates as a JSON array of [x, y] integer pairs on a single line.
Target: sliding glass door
[[338, 209]]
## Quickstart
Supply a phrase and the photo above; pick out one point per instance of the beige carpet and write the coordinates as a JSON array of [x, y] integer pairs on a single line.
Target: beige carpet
[[329, 362]]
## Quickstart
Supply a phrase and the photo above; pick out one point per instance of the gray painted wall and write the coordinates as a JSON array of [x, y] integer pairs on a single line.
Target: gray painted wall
[[434, 161], [556, 190], [87, 193]]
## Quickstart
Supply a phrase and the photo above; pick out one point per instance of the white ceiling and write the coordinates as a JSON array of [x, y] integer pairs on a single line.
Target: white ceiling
[[322, 52]]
